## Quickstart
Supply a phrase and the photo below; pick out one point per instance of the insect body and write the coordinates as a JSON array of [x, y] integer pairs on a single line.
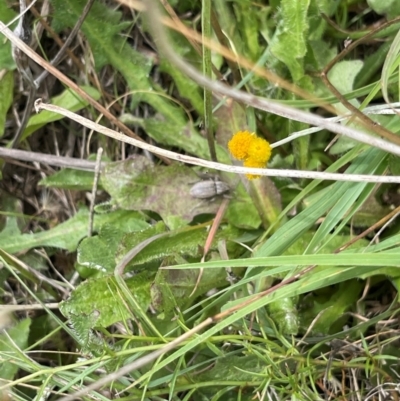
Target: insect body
[[208, 189]]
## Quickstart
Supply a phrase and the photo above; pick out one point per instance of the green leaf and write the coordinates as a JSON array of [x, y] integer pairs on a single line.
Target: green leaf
[[290, 46], [180, 288], [391, 63], [233, 368], [6, 98], [68, 100], [99, 251], [390, 8], [17, 336], [248, 22], [65, 235], [361, 258], [70, 179], [284, 314], [186, 242], [343, 74], [324, 308], [98, 303], [6, 60]]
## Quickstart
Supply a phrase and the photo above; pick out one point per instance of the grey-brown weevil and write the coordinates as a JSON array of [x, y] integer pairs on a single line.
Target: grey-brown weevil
[[208, 189]]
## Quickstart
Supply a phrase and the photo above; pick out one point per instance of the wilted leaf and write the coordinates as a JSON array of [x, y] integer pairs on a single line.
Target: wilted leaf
[[136, 184]]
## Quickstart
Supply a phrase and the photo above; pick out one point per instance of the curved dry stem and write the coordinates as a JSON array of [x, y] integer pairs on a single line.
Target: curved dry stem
[[212, 165]]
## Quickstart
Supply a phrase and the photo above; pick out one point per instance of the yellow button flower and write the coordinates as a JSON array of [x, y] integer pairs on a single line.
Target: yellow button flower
[[259, 150], [253, 150], [239, 144]]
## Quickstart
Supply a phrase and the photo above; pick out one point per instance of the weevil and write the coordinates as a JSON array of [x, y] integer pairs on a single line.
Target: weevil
[[208, 189]]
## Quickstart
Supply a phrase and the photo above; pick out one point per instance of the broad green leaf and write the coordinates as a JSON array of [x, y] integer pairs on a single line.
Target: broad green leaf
[[70, 179], [98, 303], [187, 88], [343, 74], [328, 7], [6, 98], [324, 308], [137, 184], [68, 100], [290, 46], [186, 138], [248, 22], [12, 220], [186, 242], [65, 235], [179, 289], [17, 336], [390, 8], [99, 251], [284, 314]]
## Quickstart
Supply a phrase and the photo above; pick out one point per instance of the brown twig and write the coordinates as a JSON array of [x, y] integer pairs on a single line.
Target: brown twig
[[211, 235], [380, 130]]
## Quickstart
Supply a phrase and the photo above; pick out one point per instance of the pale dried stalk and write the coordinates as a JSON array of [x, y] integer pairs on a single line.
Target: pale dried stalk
[[39, 105]]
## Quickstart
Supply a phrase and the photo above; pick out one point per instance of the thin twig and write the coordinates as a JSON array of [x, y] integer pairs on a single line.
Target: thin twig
[[27, 307], [59, 161], [212, 165]]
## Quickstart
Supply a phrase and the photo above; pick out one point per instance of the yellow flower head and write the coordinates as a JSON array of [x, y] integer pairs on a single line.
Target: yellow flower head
[[254, 151], [249, 162], [239, 144], [259, 150]]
